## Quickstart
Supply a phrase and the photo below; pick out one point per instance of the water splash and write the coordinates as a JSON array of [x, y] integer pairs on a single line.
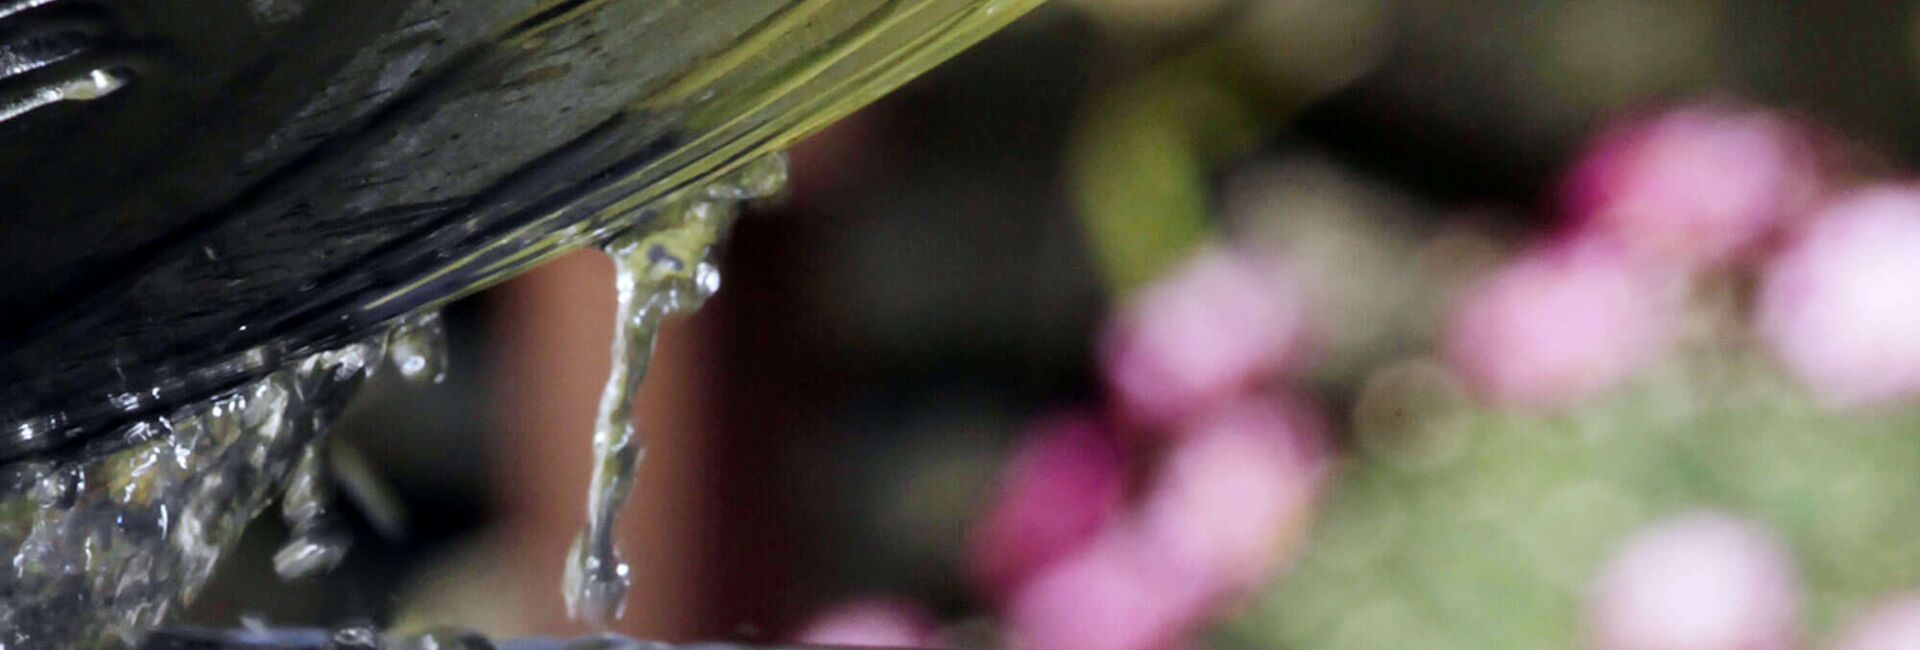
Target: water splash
[[103, 547], [664, 267]]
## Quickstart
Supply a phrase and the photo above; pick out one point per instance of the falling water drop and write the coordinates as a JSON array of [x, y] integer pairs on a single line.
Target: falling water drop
[[418, 347], [663, 268], [318, 542]]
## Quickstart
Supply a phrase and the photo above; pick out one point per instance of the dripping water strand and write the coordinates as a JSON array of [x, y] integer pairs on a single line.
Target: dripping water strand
[[660, 272], [663, 267]]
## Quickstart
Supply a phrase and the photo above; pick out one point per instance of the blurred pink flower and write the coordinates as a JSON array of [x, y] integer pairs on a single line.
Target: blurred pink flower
[[1560, 324], [1840, 305], [1236, 490], [1892, 626], [872, 622], [1232, 494], [1225, 321], [1700, 582], [1121, 593], [1693, 186], [1066, 480]]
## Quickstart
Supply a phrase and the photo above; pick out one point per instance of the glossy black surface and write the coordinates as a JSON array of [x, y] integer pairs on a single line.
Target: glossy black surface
[[262, 170], [281, 175]]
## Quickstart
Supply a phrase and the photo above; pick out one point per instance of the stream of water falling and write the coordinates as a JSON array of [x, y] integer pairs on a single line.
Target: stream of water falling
[[663, 267]]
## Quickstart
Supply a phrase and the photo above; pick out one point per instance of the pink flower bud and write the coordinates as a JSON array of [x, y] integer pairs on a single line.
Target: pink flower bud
[[1235, 492], [1066, 480], [1700, 582], [1225, 321], [872, 622], [1694, 186], [1892, 626], [1840, 306], [1560, 324]]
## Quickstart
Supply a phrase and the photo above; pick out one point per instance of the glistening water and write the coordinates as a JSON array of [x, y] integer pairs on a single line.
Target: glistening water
[[663, 269], [103, 546]]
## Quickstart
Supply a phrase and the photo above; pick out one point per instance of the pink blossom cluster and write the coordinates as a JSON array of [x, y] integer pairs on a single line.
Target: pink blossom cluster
[[1131, 530], [1079, 557], [1104, 541], [1215, 520], [1216, 328], [1657, 203], [1711, 581]]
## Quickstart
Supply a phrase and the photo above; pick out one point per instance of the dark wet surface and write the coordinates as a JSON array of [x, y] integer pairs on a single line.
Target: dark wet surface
[[279, 176]]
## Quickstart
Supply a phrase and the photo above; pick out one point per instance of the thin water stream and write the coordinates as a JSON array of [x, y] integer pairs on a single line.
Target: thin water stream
[[662, 269]]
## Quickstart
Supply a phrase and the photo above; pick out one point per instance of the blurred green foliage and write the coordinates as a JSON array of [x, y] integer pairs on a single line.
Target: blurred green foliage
[[1141, 159], [1482, 529]]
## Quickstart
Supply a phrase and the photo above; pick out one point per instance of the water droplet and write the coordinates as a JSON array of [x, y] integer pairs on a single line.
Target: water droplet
[[418, 347], [318, 542]]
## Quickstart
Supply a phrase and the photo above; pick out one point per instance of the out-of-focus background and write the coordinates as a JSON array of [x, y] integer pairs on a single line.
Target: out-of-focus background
[[1154, 324]]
